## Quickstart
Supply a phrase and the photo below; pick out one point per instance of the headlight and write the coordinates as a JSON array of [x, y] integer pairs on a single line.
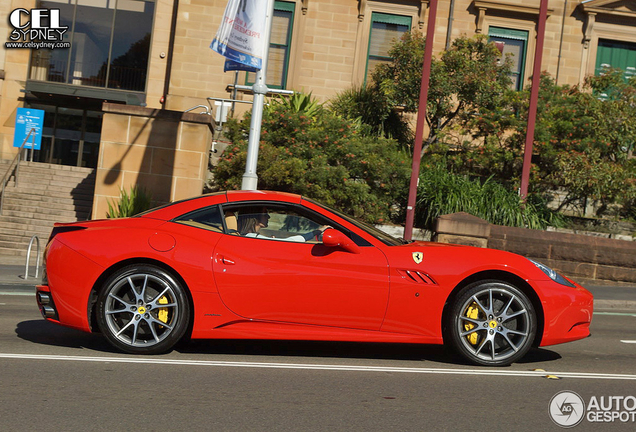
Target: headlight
[[552, 274]]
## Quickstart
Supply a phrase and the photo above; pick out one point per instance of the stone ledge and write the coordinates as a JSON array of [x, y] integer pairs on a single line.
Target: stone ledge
[[140, 111], [575, 255], [463, 224]]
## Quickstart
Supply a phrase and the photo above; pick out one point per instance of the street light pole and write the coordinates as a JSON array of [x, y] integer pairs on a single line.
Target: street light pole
[[250, 179]]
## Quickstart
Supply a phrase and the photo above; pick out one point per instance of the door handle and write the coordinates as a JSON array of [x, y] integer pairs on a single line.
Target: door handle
[[227, 261]]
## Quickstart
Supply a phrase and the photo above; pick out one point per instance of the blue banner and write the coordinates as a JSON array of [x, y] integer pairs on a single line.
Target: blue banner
[[241, 35], [234, 66]]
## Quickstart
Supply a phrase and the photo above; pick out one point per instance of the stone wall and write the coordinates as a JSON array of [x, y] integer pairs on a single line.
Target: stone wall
[[575, 255], [165, 152]]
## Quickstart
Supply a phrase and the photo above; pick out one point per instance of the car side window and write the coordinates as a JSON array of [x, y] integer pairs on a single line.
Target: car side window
[[270, 221], [208, 218]]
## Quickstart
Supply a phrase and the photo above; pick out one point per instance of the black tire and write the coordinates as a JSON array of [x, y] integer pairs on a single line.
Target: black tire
[[142, 309], [492, 323]]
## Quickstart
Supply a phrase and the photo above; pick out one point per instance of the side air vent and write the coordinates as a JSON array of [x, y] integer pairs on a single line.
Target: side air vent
[[417, 277]]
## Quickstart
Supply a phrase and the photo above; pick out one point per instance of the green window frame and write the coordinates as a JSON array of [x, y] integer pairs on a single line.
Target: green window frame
[[279, 46], [516, 43], [616, 54], [385, 29]]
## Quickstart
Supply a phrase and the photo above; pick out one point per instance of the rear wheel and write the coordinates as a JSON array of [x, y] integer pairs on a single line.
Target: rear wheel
[[492, 323], [142, 309]]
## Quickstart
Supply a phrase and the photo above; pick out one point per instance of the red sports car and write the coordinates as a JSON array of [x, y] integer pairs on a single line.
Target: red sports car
[[269, 265]]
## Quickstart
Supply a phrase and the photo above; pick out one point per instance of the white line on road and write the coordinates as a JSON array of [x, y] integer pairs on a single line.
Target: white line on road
[[615, 313], [628, 341], [325, 367]]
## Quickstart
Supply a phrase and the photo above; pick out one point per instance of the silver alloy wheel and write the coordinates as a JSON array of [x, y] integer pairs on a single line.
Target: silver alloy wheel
[[495, 323], [141, 309]]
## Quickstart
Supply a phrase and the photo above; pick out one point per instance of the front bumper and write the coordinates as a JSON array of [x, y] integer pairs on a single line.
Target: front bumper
[[567, 312]]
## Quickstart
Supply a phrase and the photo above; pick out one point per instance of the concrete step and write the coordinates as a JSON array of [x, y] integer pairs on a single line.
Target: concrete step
[[11, 203], [27, 229], [45, 194], [23, 245], [50, 215]]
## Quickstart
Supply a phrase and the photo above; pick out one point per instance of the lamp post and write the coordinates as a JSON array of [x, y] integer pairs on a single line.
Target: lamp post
[[250, 178]]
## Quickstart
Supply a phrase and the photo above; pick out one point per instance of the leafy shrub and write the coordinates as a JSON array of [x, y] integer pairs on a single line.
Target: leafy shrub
[[130, 203], [322, 157], [442, 192], [298, 103]]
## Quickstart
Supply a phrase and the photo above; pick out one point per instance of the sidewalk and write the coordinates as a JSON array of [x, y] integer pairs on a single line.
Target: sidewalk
[[12, 279]]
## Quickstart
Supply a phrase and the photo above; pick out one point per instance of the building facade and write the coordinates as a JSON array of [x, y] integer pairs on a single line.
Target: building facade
[[155, 54]]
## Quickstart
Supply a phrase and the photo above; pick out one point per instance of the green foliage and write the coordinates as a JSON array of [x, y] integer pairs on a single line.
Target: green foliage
[[130, 203], [369, 107], [297, 103], [442, 192], [581, 141], [467, 78], [325, 158]]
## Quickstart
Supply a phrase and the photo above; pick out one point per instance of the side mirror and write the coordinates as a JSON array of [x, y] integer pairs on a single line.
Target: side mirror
[[333, 238]]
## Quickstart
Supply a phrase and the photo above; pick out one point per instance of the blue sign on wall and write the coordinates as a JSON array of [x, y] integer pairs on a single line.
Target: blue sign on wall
[[25, 120]]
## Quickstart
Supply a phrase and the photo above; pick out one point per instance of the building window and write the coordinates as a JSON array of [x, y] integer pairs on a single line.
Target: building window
[[515, 43], [110, 42], [386, 29], [618, 55], [279, 46], [69, 136]]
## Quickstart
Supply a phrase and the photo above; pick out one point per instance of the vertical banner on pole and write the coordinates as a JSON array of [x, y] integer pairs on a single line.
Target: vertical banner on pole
[[243, 39], [241, 35]]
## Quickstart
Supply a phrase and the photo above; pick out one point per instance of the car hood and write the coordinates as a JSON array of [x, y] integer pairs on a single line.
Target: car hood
[[459, 260]]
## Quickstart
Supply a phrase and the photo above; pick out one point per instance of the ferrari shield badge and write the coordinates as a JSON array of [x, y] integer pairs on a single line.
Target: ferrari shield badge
[[417, 257]]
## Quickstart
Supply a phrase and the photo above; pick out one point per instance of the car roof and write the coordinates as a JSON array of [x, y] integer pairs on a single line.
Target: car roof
[[177, 208], [257, 195]]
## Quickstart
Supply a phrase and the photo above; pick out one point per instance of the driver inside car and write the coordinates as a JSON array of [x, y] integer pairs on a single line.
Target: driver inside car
[[250, 224]]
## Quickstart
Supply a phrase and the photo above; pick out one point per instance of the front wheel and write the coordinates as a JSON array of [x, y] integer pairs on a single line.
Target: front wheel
[[142, 309], [492, 323]]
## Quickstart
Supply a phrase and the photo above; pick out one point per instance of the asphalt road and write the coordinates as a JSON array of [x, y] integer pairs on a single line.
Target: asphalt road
[[60, 379]]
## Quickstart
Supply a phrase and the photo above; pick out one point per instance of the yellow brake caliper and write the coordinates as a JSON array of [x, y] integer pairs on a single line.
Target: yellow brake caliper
[[162, 313], [472, 312]]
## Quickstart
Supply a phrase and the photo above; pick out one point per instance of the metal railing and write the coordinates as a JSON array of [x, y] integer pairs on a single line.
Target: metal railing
[[28, 258], [10, 169]]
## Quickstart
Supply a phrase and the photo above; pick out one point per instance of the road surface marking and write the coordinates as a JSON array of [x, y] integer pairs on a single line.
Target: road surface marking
[[325, 367], [628, 341], [615, 313]]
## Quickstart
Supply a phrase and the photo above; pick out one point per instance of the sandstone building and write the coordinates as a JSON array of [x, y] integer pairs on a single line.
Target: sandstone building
[[115, 100]]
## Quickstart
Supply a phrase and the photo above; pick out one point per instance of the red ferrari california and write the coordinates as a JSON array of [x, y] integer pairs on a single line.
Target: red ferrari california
[[269, 265]]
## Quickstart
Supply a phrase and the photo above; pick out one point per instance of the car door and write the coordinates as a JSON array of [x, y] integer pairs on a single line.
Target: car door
[[266, 278]]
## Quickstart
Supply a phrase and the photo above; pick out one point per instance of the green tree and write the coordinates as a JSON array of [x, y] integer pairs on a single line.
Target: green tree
[[467, 78], [583, 138], [372, 110]]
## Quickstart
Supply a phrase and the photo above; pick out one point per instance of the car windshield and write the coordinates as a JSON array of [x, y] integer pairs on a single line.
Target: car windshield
[[385, 238]]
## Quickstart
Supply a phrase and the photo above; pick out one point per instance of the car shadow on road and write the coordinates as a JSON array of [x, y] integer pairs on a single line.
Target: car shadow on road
[[351, 350], [46, 333]]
